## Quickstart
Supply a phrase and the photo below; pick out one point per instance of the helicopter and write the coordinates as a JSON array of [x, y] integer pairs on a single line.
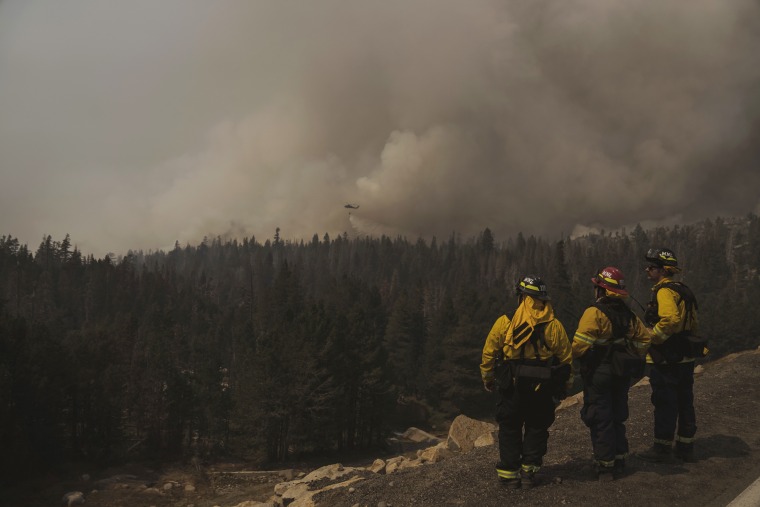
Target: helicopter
[[351, 206]]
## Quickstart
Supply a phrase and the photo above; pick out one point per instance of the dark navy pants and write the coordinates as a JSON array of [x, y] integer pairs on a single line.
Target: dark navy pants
[[525, 412], [673, 400], [605, 410]]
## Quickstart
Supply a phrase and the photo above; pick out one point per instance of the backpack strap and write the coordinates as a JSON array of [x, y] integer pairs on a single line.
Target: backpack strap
[[619, 315], [536, 336]]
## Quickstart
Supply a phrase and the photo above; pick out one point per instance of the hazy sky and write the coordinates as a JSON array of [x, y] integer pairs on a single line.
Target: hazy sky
[[133, 124]]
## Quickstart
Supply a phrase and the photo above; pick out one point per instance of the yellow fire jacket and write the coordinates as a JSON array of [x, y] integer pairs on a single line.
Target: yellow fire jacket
[[671, 309], [501, 338], [595, 329], [672, 312]]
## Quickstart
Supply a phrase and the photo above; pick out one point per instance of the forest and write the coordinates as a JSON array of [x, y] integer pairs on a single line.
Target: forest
[[268, 351]]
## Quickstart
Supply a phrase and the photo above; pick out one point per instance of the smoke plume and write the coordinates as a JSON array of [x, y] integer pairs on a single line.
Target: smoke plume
[[547, 117]]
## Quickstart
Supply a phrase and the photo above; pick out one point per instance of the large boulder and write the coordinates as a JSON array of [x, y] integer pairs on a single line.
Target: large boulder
[[465, 431], [486, 439]]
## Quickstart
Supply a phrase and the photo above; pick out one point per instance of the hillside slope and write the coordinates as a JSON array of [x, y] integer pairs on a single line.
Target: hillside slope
[[727, 400]]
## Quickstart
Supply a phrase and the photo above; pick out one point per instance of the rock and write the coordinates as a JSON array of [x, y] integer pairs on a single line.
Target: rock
[[436, 453], [298, 493], [282, 487], [306, 499], [570, 401], [377, 466], [334, 471], [464, 431], [393, 464], [486, 439], [351, 490], [417, 435], [73, 498], [699, 369], [288, 474], [167, 486], [151, 491], [643, 382], [294, 492], [410, 463], [189, 488], [114, 479], [392, 467]]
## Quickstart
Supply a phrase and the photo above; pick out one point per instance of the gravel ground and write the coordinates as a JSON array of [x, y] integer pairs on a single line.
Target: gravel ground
[[727, 400]]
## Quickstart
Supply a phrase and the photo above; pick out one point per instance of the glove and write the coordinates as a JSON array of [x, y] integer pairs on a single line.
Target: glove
[[569, 384], [488, 385]]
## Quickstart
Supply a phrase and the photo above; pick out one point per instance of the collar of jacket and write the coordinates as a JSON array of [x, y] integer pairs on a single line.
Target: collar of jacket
[[659, 284]]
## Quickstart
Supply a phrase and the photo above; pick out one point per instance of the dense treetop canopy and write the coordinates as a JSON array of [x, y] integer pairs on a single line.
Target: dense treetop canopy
[[268, 351]]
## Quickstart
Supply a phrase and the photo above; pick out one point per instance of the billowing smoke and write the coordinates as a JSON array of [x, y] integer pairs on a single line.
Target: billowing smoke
[[542, 116]]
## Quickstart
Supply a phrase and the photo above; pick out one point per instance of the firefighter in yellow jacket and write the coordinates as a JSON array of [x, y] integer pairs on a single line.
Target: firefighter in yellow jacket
[[673, 314], [611, 343], [527, 361]]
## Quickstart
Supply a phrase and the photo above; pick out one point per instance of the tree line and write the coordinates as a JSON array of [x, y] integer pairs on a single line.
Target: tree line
[[273, 350]]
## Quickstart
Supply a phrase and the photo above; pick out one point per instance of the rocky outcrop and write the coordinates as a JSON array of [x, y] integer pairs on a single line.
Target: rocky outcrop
[[298, 492]]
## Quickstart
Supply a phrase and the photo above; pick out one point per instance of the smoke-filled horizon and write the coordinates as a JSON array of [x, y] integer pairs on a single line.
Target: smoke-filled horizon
[[132, 125]]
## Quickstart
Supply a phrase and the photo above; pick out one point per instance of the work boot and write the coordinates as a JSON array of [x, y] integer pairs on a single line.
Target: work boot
[[685, 452], [509, 479], [510, 483], [528, 479], [658, 453], [605, 473], [619, 468]]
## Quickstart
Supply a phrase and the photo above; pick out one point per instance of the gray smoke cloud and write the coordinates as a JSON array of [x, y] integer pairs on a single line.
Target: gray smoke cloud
[[135, 124]]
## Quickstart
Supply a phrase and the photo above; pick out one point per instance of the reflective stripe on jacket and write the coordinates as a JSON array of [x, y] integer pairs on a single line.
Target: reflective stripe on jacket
[[595, 329]]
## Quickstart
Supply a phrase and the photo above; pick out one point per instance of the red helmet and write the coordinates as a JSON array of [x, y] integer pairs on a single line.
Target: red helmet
[[611, 279]]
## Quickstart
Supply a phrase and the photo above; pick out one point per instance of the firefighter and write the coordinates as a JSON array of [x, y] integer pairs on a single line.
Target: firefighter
[[527, 361], [611, 343], [672, 313]]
